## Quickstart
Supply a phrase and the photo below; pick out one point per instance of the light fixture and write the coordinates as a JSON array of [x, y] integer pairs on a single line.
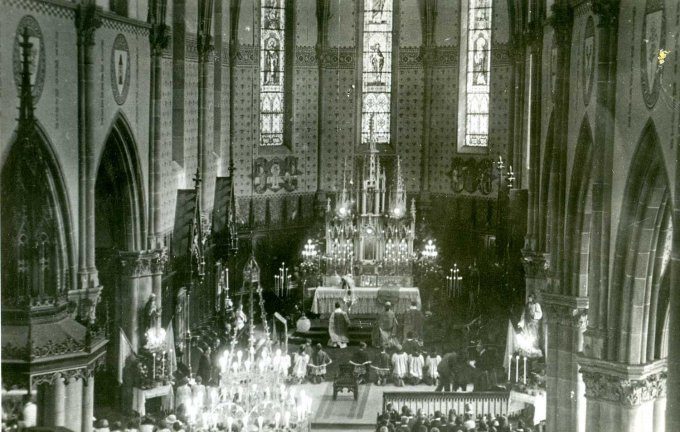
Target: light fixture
[[309, 252], [252, 394], [430, 250]]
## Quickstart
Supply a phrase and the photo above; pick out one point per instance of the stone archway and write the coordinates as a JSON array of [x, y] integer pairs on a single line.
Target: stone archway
[[624, 366]]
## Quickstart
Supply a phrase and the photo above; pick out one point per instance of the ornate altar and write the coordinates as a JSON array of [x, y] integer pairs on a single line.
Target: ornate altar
[[369, 229]]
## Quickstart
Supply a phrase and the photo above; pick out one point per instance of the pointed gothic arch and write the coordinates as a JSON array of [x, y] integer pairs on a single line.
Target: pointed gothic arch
[[38, 258], [579, 214], [119, 187], [545, 187], [636, 310]]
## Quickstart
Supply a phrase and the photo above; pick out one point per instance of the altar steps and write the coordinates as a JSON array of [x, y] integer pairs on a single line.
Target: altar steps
[[360, 330]]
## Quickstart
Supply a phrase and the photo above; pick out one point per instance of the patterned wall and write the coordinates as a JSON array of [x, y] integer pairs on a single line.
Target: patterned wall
[[409, 116]]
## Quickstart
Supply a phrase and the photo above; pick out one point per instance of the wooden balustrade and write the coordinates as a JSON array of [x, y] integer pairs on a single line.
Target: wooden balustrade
[[490, 403]]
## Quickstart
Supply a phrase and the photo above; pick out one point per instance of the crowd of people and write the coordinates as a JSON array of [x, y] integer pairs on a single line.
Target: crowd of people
[[405, 420]]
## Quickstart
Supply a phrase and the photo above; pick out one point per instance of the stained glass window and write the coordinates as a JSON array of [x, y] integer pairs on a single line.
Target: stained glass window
[[376, 71], [272, 28], [478, 73]]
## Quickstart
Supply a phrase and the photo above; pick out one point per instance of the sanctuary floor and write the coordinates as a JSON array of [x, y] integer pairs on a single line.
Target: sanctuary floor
[[345, 413]]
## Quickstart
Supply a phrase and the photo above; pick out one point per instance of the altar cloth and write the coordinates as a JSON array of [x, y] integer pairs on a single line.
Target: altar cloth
[[366, 300]]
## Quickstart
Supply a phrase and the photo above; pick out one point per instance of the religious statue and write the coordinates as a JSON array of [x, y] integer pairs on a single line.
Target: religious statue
[[530, 326], [152, 313]]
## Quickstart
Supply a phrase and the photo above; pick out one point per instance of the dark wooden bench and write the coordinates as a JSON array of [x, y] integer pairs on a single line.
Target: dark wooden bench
[[345, 380]]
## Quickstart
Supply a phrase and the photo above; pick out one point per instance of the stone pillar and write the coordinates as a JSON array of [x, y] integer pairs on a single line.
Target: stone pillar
[[58, 402], [622, 397], [322, 17], [136, 287], [428, 12], [88, 402], [565, 319], [87, 22], [74, 393], [158, 40], [536, 266], [205, 49], [603, 134]]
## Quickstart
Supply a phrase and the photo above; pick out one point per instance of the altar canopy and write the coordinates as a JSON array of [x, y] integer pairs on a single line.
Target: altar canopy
[[368, 301]]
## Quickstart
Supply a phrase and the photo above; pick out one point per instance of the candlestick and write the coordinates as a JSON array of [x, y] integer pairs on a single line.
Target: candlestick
[[517, 368], [525, 370], [509, 366]]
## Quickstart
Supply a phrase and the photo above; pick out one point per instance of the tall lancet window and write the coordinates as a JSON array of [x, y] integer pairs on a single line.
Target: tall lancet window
[[473, 119], [376, 71], [272, 58]]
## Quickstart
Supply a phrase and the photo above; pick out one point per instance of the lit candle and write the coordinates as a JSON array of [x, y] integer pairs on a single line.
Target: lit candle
[[277, 418], [260, 420], [525, 370], [154, 367], [509, 366], [517, 368]]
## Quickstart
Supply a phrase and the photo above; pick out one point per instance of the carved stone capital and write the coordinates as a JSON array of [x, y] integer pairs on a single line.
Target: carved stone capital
[[607, 12], [204, 45], [144, 263], [627, 392], [565, 310], [562, 20], [536, 265], [87, 22], [159, 38]]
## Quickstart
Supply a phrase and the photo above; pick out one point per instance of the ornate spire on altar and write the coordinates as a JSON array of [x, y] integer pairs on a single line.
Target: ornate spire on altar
[[370, 229]]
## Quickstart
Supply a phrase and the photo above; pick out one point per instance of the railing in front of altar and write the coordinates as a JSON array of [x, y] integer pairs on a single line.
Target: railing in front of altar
[[490, 403]]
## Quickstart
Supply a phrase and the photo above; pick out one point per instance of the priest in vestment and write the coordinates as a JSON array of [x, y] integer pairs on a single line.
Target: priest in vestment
[[413, 322], [338, 327], [387, 329]]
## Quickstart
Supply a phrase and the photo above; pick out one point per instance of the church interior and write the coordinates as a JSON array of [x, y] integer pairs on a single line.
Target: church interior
[[326, 215]]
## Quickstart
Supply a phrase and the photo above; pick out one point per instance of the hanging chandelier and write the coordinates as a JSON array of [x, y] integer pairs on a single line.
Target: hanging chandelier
[[253, 392]]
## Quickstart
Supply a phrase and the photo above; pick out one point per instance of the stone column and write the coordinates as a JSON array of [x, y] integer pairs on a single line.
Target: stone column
[[622, 397], [135, 290], [322, 17], [87, 401], [205, 49], [58, 402], [565, 321], [74, 393], [536, 266], [158, 40], [603, 134], [87, 22], [428, 12]]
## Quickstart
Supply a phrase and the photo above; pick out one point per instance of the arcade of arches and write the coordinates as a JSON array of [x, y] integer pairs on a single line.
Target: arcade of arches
[[160, 144]]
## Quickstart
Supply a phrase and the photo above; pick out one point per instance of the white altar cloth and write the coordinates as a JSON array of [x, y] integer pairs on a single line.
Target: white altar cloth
[[366, 300]]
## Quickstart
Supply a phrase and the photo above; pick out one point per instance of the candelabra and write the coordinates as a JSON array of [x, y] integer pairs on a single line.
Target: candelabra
[[309, 252], [430, 250], [282, 281], [252, 394], [454, 285]]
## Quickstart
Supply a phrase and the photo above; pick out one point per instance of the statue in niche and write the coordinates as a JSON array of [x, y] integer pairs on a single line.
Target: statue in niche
[[152, 313]]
